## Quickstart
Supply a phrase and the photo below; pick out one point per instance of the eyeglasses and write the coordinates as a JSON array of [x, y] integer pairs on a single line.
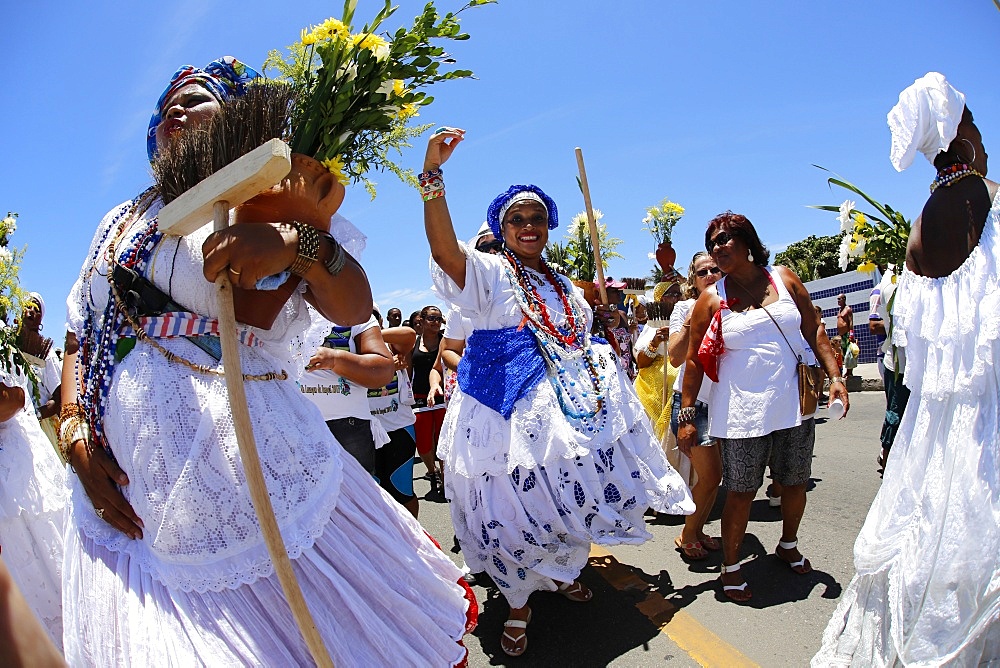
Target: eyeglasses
[[702, 273], [433, 318], [490, 246], [721, 239]]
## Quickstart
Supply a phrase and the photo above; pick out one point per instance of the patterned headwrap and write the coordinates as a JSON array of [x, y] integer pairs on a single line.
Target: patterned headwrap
[[661, 288], [224, 78], [513, 195], [925, 119]]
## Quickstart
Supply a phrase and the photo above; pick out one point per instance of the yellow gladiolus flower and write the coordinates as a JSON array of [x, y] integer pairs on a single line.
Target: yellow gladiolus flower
[[378, 46], [336, 29], [336, 167], [398, 89], [307, 38], [866, 267]]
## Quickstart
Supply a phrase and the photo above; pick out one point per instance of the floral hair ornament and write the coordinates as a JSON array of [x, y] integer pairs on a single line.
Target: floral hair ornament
[[224, 78], [519, 193], [925, 119]]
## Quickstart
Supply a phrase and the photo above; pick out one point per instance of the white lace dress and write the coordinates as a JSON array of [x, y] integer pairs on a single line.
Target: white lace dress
[[530, 494], [927, 589], [32, 510], [199, 587]]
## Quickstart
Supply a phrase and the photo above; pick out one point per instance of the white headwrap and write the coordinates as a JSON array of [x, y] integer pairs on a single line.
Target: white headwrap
[[484, 229], [37, 298], [523, 196], [925, 119]]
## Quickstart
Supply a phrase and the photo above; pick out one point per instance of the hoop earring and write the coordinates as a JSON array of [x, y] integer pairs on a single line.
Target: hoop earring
[[750, 256], [973, 149]]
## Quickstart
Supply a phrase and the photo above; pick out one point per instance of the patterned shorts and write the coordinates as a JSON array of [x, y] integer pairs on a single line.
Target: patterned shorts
[[788, 452]]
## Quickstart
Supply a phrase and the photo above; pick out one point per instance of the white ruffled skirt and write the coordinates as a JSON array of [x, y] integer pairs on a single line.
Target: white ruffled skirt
[[380, 592], [531, 494]]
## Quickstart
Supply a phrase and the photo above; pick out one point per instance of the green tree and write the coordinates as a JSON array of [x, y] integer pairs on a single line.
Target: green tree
[[814, 257], [576, 255]]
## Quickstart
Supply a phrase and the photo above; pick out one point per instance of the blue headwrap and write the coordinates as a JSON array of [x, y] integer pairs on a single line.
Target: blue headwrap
[[503, 201], [224, 78]]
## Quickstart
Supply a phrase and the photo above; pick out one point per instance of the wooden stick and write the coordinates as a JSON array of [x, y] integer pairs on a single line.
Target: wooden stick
[[251, 460], [595, 237]]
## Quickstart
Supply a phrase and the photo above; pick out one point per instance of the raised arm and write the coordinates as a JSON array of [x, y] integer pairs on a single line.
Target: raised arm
[[437, 219]]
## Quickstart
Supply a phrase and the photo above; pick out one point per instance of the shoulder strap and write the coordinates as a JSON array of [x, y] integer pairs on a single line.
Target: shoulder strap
[[764, 309]]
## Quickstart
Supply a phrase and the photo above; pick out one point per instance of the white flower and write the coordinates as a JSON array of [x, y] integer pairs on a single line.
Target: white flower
[[651, 256], [6, 257], [386, 88], [846, 222], [845, 249], [859, 248], [381, 51]]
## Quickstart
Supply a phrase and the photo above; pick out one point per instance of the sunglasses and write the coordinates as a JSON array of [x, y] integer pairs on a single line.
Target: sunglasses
[[490, 246], [721, 239], [672, 295], [702, 273], [433, 318]]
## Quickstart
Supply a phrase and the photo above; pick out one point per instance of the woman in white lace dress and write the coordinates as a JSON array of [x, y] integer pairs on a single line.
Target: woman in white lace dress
[[173, 569], [547, 446], [32, 503], [927, 588]]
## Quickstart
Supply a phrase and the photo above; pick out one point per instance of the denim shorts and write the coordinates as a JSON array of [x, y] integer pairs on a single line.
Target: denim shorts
[[700, 419]]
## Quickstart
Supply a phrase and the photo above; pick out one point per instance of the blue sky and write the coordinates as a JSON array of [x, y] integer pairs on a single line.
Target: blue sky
[[716, 105]]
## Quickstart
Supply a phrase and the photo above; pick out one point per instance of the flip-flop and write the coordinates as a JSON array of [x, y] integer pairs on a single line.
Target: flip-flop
[[694, 550], [574, 591], [730, 590], [802, 566], [710, 543], [517, 649]]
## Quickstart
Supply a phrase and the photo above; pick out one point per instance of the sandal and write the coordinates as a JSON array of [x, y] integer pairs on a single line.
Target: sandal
[[520, 643], [575, 591], [738, 593], [710, 543], [802, 566], [694, 550]]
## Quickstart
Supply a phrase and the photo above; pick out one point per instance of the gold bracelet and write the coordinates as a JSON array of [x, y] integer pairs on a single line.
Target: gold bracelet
[[308, 249], [71, 431], [70, 410]]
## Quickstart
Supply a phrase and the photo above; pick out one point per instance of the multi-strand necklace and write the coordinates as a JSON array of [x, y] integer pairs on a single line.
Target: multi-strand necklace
[[952, 174], [566, 351]]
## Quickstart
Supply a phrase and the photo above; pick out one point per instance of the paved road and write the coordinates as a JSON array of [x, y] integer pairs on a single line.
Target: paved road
[[652, 608]]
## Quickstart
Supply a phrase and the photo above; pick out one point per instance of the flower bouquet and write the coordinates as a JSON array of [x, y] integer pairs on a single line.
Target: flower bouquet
[[660, 221], [354, 93], [876, 240]]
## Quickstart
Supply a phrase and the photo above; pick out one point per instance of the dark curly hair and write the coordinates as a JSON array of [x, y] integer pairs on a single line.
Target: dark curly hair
[[737, 225]]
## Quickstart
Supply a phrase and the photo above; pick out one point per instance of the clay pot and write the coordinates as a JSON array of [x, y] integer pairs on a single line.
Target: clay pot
[[309, 194], [665, 257], [589, 291]]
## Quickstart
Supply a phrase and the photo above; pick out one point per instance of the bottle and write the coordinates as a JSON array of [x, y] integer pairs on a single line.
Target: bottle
[[835, 410]]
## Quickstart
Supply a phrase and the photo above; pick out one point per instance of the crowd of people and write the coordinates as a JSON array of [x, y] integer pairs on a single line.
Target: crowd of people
[[548, 420]]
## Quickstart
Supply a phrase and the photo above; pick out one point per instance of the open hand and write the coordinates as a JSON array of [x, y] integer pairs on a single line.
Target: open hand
[[441, 145], [100, 476]]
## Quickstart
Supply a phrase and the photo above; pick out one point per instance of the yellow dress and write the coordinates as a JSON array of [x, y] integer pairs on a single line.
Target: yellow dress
[[649, 387]]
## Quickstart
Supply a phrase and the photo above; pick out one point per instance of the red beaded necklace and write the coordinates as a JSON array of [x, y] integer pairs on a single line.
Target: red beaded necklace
[[537, 304]]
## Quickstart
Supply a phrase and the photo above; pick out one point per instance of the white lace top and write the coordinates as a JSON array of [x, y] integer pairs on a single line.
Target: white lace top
[[537, 432], [172, 433]]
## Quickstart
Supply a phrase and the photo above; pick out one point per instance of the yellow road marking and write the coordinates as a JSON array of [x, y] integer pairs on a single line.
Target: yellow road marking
[[684, 630]]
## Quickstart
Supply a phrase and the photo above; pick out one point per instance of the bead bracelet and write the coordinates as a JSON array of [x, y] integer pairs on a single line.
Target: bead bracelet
[[686, 415]]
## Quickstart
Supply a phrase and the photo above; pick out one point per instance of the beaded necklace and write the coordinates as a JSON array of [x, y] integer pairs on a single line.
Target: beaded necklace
[[952, 174], [99, 344], [565, 351]]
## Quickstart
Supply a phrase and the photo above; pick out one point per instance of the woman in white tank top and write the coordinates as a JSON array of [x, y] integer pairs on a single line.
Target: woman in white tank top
[[748, 336]]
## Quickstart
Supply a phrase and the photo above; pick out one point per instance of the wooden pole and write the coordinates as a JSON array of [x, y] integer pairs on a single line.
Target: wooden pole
[[251, 460], [595, 237]]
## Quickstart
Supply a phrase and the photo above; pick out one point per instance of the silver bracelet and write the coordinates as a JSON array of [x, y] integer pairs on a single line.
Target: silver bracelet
[[339, 258], [686, 415]]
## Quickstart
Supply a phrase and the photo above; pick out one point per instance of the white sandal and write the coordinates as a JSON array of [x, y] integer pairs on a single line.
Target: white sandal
[[516, 624], [573, 591], [794, 565], [740, 587]]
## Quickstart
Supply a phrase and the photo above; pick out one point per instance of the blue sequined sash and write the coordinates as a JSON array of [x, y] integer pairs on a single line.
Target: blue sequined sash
[[501, 366]]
